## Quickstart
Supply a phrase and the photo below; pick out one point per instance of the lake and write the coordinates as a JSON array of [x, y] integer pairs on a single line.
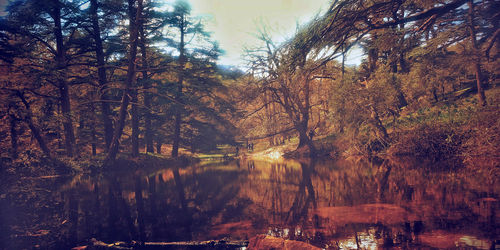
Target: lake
[[335, 204]]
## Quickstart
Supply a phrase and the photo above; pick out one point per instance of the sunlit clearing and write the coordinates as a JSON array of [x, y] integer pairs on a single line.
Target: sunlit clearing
[[274, 155]]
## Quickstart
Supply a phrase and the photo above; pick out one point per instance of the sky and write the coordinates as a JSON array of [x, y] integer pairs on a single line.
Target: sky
[[234, 23], [3, 5]]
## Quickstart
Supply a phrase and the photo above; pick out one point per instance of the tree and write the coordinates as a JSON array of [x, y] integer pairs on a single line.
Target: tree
[[35, 130], [147, 85], [57, 37], [194, 99], [96, 35], [134, 15], [179, 20], [150, 27], [287, 74], [351, 18]]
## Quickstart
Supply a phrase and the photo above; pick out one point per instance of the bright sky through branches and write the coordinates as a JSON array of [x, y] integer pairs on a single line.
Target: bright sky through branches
[[234, 23], [3, 6]]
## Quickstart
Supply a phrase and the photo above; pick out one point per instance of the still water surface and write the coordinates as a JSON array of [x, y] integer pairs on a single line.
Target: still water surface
[[375, 204]]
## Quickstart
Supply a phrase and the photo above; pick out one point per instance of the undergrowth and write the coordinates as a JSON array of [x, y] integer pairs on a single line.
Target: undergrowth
[[451, 130]]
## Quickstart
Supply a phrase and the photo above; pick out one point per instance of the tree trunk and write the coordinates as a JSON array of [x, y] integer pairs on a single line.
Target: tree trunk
[[403, 64], [304, 139], [177, 134], [158, 146], [299, 114], [94, 140], [101, 76], [92, 129], [343, 61], [372, 60], [148, 134], [477, 56], [80, 131], [394, 66], [134, 111], [401, 99], [399, 93], [479, 83], [28, 118], [269, 125], [13, 135], [178, 97], [380, 130], [135, 124], [193, 146], [133, 29], [69, 135]]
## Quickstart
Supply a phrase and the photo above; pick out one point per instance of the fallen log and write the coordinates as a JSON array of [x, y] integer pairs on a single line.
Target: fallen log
[[211, 244]]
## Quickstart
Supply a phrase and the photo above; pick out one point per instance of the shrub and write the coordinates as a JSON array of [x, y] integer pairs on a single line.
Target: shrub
[[482, 146], [436, 141]]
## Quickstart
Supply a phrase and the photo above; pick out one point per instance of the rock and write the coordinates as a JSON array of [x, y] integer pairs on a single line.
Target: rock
[[269, 242]]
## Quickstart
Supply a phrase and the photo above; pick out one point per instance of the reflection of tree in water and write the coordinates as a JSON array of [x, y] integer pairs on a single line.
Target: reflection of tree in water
[[375, 202], [381, 179], [121, 224], [303, 202], [322, 203], [170, 206], [182, 206], [194, 200], [277, 190], [185, 216]]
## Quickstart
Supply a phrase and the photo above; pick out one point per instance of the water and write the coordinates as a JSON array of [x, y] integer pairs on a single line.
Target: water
[[344, 204]]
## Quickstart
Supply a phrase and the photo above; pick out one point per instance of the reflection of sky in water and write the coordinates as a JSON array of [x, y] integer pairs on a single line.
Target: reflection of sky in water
[[368, 240], [471, 241], [365, 241]]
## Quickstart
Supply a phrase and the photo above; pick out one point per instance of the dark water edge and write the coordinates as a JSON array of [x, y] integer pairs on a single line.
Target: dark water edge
[[348, 204]]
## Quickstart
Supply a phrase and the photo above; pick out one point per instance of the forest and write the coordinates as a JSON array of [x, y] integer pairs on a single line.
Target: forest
[[83, 78], [90, 86]]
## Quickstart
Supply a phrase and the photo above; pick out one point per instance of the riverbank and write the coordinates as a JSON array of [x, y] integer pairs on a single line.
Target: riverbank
[[33, 165], [454, 130], [457, 130]]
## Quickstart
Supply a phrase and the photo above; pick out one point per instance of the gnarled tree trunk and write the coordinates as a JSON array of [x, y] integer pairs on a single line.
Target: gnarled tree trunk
[[28, 118]]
